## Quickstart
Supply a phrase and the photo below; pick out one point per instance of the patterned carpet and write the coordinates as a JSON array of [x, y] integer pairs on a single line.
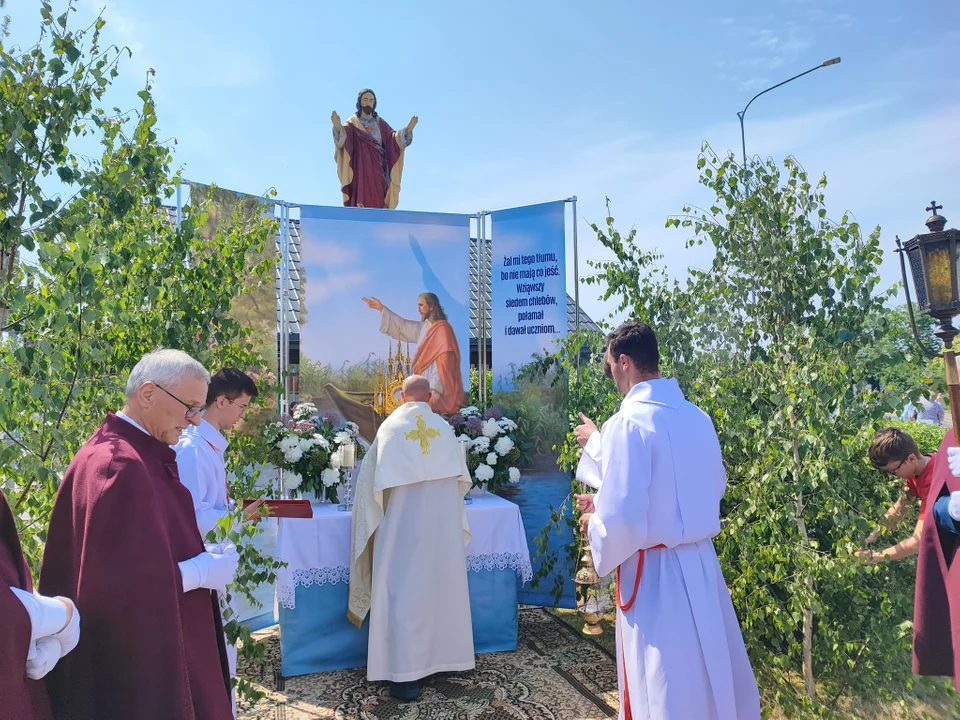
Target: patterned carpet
[[555, 674]]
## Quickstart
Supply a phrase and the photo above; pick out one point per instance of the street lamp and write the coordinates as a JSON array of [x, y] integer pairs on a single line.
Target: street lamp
[[743, 139], [933, 265]]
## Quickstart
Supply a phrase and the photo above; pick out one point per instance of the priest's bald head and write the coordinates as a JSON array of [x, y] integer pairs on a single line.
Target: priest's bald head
[[166, 391], [416, 388]]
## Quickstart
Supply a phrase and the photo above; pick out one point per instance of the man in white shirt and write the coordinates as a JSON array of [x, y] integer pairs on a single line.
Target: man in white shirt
[[679, 649], [200, 456]]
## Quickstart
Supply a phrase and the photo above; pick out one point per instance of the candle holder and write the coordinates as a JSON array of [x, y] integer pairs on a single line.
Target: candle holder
[[589, 608], [348, 461]]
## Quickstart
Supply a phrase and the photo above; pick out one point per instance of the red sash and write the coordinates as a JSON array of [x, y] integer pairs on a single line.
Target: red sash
[[624, 606]]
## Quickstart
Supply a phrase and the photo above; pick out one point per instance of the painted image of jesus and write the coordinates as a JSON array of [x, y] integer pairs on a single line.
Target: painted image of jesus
[[438, 354]]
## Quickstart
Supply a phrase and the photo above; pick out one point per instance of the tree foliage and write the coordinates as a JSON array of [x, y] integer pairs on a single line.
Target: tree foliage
[[94, 271], [777, 340]]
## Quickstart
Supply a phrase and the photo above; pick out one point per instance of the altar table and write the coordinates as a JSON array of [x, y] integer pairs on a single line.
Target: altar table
[[315, 635]]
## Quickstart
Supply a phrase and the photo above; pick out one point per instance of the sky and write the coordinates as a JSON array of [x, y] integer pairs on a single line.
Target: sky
[[527, 102]]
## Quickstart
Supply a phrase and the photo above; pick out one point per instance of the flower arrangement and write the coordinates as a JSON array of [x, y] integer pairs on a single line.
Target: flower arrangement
[[307, 447], [491, 448]]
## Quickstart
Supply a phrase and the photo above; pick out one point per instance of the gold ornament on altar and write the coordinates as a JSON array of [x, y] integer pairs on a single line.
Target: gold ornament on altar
[[390, 377]]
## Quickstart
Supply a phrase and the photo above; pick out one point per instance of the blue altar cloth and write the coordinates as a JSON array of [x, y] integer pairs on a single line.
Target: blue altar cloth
[[316, 636]]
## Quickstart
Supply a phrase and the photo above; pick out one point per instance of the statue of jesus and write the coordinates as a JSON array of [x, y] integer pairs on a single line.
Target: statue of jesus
[[369, 155]]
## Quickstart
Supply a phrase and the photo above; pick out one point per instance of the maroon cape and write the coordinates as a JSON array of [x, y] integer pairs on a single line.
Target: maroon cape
[[121, 522], [371, 165], [936, 613], [19, 697]]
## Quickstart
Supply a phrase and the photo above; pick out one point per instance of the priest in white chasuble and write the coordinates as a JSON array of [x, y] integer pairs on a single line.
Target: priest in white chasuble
[[408, 565], [680, 652]]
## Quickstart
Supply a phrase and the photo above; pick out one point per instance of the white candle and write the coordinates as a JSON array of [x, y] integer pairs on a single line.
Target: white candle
[[463, 449], [348, 455]]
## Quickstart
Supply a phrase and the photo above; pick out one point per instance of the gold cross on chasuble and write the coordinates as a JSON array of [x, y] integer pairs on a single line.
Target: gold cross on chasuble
[[423, 434]]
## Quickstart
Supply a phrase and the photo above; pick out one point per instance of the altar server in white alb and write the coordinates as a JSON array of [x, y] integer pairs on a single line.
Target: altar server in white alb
[[680, 652], [408, 562], [201, 463]]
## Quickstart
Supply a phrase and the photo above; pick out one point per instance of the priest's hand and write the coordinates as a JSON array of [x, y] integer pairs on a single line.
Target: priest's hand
[[251, 513], [335, 119], [953, 460], [585, 522], [870, 557], [872, 537], [412, 124], [69, 636], [373, 303], [42, 658], [585, 502], [585, 429]]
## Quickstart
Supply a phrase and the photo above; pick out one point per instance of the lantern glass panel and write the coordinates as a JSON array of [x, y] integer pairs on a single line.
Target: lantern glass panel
[[916, 271], [940, 287]]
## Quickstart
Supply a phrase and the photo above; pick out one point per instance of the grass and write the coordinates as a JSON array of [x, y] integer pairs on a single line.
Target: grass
[[932, 699]]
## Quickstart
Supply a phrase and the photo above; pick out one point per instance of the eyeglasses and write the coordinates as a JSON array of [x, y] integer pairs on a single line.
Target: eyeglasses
[[243, 408], [894, 471], [192, 410]]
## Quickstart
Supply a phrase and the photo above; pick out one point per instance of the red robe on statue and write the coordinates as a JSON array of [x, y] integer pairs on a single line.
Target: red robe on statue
[[369, 172], [936, 614], [19, 696], [121, 522]]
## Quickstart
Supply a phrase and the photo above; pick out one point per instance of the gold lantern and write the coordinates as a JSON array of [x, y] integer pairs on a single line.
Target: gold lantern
[[589, 604]]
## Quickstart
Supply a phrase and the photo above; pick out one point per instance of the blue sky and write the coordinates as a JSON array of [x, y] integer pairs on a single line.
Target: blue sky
[[527, 102]]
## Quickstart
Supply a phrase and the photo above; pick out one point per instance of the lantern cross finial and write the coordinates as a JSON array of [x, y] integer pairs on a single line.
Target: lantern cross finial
[[934, 207]]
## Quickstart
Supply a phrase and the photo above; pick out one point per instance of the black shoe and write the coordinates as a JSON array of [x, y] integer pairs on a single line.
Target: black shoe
[[405, 691]]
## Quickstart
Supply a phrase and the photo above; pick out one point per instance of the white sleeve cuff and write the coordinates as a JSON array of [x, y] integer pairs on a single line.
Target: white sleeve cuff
[[592, 448], [47, 615], [190, 574]]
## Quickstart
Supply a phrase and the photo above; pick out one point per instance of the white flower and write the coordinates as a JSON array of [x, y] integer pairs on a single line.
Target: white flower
[[293, 454], [507, 425], [514, 475], [471, 411], [330, 477], [353, 428], [321, 441], [289, 442], [335, 460], [491, 429], [306, 444], [491, 458], [304, 411], [504, 445], [292, 480], [480, 445], [483, 472], [343, 438]]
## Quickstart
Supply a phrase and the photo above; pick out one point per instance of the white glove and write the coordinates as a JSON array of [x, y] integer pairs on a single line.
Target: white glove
[[47, 615], [953, 507], [43, 655], [214, 569], [953, 460]]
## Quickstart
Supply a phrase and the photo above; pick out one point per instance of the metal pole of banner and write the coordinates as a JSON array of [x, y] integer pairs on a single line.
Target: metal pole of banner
[[284, 293], [483, 305], [179, 207], [576, 287]]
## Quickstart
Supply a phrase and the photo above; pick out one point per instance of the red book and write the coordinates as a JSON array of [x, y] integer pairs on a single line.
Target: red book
[[286, 508]]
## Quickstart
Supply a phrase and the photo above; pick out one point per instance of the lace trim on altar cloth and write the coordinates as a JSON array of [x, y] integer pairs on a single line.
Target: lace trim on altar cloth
[[286, 594], [501, 561]]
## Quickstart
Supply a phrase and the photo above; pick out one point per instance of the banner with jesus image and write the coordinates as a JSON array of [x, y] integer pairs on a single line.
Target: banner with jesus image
[[383, 288]]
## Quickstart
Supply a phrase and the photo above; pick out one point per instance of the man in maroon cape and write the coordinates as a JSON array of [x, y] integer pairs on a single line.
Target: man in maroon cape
[[369, 155], [936, 614], [124, 546], [35, 631]]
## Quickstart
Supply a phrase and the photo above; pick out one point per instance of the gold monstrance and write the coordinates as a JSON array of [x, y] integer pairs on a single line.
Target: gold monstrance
[[391, 374]]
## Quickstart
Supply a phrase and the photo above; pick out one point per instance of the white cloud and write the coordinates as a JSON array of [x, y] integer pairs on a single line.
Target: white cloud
[[318, 290]]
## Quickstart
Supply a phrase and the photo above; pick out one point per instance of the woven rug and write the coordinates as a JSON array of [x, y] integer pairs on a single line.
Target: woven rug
[[555, 674]]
